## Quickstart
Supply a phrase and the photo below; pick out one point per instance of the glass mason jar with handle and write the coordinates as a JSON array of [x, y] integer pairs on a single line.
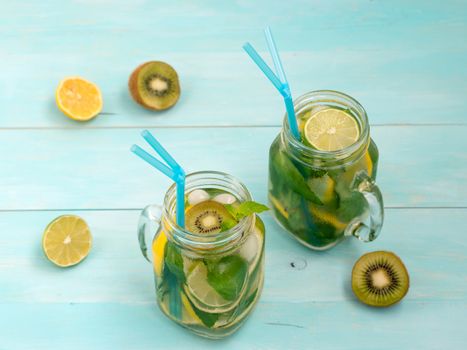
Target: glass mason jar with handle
[[207, 282], [321, 196]]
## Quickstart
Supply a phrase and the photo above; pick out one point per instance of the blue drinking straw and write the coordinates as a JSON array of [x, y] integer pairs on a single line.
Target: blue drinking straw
[[173, 170], [275, 55], [280, 82]]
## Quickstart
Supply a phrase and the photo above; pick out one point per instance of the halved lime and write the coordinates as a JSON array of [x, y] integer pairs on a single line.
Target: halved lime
[[67, 240], [331, 129]]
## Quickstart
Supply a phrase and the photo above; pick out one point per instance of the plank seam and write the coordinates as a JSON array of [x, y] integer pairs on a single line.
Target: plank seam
[[137, 209], [220, 126]]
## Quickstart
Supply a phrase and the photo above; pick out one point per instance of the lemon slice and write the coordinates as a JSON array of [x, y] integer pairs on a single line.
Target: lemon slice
[[365, 163], [202, 295], [78, 98], [158, 249], [331, 129], [325, 216], [67, 240], [277, 204]]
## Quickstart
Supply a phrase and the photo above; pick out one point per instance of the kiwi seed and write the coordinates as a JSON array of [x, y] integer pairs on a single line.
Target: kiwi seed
[[206, 217], [155, 85], [380, 279]]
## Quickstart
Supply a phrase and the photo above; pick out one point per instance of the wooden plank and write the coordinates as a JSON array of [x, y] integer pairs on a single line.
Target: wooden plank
[[404, 63], [79, 169], [108, 300], [324, 325], [27, 277]]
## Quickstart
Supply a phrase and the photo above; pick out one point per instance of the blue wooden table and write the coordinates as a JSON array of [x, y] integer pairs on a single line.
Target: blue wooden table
[[406, 62]]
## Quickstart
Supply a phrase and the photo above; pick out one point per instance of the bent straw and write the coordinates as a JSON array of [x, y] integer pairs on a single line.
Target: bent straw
[[281, 84], [175, 171], [263, 66], [159, 149], [275, 55], [153, 161]]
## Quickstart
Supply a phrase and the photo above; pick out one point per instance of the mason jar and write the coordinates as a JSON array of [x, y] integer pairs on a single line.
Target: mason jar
[[321, 197], [208, 283]]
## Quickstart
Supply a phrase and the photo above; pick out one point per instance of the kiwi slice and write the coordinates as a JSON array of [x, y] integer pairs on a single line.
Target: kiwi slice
[[380, 279], [155, 85], [206, 217]]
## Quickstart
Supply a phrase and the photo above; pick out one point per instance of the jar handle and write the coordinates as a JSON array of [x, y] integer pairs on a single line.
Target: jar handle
[[367, 226], [148, 224]]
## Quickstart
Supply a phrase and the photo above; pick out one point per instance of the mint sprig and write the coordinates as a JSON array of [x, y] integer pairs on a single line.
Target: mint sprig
[[241, 211]]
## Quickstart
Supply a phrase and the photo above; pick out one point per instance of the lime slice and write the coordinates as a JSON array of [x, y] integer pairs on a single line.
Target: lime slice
[[188, 316], [252, 247], [323, 187], [203, 295], [331, 129], [67, 240]]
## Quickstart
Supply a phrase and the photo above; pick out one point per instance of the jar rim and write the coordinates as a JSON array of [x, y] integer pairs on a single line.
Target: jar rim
[[199, 180], [339, 99]]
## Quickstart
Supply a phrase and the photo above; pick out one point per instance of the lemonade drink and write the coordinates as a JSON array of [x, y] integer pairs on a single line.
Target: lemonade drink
[[321, 187], [210, 277]]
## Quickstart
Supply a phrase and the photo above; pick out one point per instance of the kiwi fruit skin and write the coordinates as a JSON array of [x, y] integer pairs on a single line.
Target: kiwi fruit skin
[[155, 105], [398, 265], [195, 212]]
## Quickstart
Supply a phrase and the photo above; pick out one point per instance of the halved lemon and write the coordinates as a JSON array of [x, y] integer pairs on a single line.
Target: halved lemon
[[331, 129], [78, 98], [67, 240]]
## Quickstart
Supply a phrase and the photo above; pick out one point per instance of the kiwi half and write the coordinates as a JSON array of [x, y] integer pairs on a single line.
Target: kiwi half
[[155, 85], [206, 217], [380, 279]]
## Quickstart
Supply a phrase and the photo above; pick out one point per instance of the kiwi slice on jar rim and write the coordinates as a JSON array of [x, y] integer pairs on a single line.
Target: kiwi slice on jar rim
[[206, 217], [380, 279], [155, 85]]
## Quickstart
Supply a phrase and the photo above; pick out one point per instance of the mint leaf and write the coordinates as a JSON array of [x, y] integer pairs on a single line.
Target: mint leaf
[[227, 276], [287, 172], [317, 172], [246, 209], [209, 319], [227, 224], [174, 261]]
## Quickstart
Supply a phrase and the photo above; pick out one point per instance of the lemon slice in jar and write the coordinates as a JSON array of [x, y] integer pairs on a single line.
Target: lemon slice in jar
[[331, 129]]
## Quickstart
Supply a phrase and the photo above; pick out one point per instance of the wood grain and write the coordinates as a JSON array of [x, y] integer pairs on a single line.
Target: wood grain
[[78, 169], [108, 300], [404, 61]]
